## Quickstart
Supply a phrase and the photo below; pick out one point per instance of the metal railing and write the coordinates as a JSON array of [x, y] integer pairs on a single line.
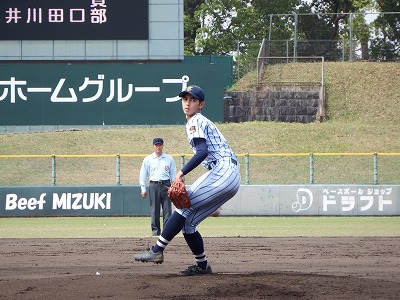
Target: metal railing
[[258, 169], [312, 156]]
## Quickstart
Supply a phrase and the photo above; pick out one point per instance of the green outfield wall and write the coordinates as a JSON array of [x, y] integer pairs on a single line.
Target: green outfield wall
[[108, 93], [251, 200]]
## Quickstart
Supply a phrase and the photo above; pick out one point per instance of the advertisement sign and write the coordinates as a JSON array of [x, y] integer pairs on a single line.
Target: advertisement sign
[[315, 200], [104, 94], [251, 200], [72, 201]]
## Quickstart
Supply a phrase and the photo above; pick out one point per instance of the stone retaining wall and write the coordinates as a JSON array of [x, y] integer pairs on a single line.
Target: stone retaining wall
[[283, 103]]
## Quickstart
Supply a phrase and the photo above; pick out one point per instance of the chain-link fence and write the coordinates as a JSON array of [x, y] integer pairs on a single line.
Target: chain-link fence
[[336, 37], [344, 36], [246, 57], [331, 50], [290, 70]]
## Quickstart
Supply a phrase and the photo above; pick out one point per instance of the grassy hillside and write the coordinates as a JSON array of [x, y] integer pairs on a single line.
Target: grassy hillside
[[363, 107], [356, 92]]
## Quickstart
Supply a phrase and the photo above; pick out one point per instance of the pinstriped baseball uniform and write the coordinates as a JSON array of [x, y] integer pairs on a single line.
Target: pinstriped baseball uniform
[[220, 183], [208, 193]]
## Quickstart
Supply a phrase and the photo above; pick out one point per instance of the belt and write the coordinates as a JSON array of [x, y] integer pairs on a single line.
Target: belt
[[160, 181], [214, 162]]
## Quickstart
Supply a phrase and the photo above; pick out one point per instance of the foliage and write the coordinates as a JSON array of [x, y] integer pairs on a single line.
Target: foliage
[[237, 27], [192, 23], [215, 26], [386, 41]]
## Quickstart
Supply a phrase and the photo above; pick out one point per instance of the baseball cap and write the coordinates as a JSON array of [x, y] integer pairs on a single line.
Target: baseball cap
[[158, 141], [193, 90]]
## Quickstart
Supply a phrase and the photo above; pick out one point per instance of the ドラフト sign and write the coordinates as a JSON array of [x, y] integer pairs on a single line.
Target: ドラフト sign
[[74, 20]]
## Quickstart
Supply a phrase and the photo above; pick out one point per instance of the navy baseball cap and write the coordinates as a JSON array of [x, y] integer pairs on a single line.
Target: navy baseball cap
[[193, 90], [158, 141]]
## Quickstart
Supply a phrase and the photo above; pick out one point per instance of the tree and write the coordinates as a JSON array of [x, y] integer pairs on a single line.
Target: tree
[[191, 25], [379, 40], [233, 27], [386, 41], [215, 26], [237, 27]]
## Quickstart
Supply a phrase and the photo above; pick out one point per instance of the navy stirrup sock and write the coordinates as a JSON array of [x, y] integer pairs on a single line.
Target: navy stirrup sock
[[196, 244], [173, 226]]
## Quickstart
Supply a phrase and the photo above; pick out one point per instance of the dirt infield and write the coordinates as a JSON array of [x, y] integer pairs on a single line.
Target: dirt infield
[[244, 268]]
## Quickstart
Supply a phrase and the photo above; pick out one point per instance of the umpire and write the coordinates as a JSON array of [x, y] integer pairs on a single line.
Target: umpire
[[160, 169]]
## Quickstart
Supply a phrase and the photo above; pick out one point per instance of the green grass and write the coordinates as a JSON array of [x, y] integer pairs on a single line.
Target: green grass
[[252, 138], [139, 227]]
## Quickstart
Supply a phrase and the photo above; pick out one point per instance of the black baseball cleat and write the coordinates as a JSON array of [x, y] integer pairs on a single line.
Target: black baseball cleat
[[196, 270], [150, 256]]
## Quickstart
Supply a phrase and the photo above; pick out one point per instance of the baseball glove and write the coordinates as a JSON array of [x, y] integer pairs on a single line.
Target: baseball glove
[[178, 195]]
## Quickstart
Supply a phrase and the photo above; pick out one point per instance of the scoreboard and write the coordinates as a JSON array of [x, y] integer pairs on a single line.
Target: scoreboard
[[74, 20]]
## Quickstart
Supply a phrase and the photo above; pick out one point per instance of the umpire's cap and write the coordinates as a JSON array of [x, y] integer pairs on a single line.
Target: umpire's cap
[[193, 90], [158, 141]]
